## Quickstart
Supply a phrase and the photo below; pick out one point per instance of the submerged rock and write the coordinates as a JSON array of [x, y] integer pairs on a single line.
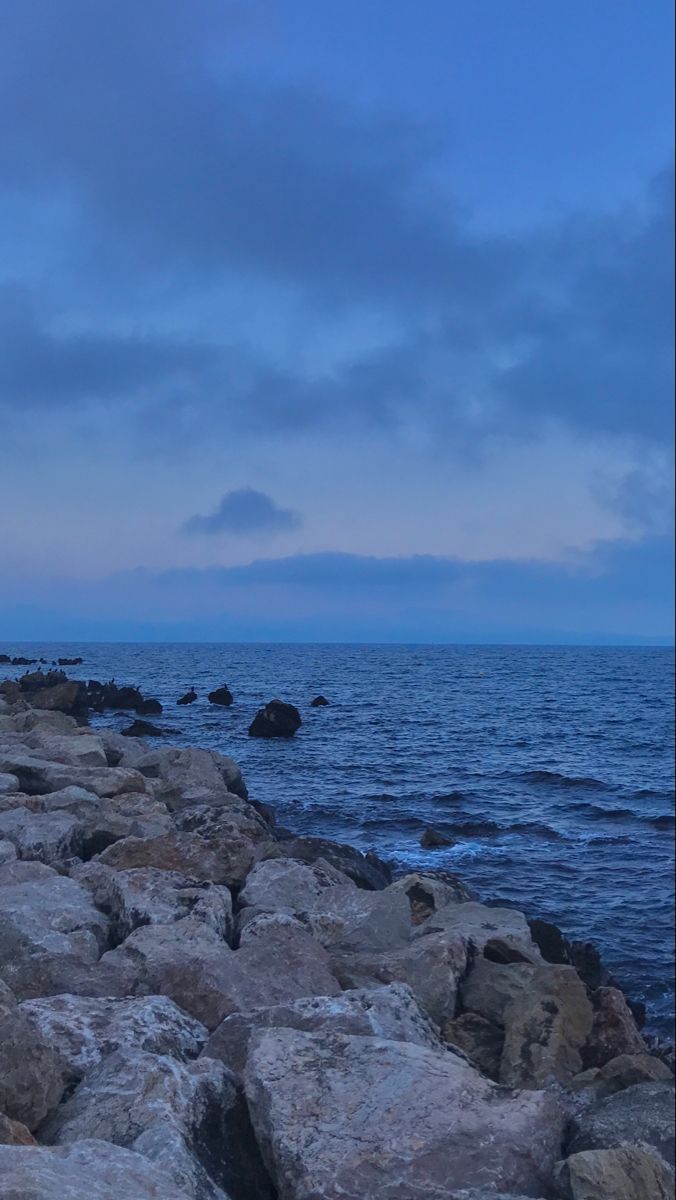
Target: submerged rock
[[319, 702], [189, 697], [222, 696], [142, 729], [432, 839], [275, 720]]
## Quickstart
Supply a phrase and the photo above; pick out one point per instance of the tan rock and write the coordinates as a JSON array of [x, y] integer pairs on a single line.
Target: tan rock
[[546, 1028], [623, 1173]]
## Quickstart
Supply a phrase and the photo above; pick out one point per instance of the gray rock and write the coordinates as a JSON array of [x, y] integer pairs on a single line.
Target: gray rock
[[490, 987], [429, 893], [31, 1072], [172, 1112], [500, 933], [48, 837], [352, 921], [546, 1027], [190, 963], [481, 1040], [623, 1173], [50, 912], [182, 772], [37, 776], [629, 1069], [220, 851], [366, 870], [387, 1012], [76, 748], [8, 784], [284, 883], [7, 851], [148, 896], [614, 1031], [91, 1170], [367, 1119], [431, 966], [643, 1113], [83, 1030]]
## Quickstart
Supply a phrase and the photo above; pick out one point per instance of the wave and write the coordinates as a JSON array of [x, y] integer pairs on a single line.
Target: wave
[[661, 820], [557, 779]]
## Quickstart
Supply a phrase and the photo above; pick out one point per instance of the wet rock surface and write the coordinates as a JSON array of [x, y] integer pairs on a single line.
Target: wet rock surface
[[194, 1003]]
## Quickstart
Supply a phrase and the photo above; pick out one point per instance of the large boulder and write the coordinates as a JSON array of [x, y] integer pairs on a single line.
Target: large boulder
[[349, 920], [95, 1170], [174, 1113], [39, 775], [191, 963], [275, 720], [284, 883], [500, 934], [428, 893], [149, 896], [481, 1040], [84, 1030], [643, 1113], [366, 870], [31, 1071], [75, 748], [389, 1012], [180, 773], [363, 1118], [623, 1173], [489, 988], [629, 1069], [546, 1027], [614, 1030], [432, 967], [225, 858], [49, 837]]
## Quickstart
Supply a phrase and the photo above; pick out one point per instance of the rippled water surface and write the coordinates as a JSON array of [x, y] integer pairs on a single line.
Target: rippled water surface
[[552, 768]]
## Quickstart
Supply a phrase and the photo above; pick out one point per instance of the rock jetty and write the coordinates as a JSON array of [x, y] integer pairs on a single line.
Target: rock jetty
[[196, 1006]]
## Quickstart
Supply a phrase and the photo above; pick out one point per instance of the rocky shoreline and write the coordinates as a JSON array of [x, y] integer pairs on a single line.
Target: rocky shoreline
[[196, 1004]]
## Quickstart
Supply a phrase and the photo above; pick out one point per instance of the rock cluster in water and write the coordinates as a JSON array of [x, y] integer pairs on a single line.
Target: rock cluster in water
[[196, 1006]]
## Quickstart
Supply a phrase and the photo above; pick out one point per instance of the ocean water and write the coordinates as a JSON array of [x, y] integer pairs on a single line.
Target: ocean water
[[551, 768]]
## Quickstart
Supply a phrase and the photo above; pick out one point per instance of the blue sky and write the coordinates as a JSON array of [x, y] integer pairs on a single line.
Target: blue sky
[[336, 320]]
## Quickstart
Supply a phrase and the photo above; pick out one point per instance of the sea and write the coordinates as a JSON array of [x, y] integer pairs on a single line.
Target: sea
[[551, 768]]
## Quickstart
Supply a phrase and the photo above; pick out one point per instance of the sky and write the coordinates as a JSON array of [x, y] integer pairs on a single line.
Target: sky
[[336, 321]]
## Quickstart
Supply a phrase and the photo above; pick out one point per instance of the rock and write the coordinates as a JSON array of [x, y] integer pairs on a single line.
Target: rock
[[48, 837], [7, 851], [31, 1072], [13, 1133], [629, 1069], [222, 857], [387, 1012], [141, 729], [101, 696], [642, 1113], [183, 1116], [489, 988], [275, 720], [54, 690], [546, 1027], [348, 920], [49, 912], [614, 1031], [189, 697], [8, 784], [84, 1030], [149, 708], [366, 870], [283, 883], [90, 1170], [84, 750], [70, 662], [37, 776], [382, 1116], [190, 963], [184, 772], [500, 933], [319, 702], [428, 893], [481, 1040], [222, 696], [624, 1173], [433, 839], [432, 967], [148, 896]]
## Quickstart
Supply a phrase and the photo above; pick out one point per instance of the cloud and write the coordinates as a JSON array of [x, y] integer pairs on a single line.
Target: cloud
[[623, 593], [245, 511]]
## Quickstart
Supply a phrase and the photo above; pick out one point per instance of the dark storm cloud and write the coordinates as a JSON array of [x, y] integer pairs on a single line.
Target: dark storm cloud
[[181, 180], [245, 511]]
